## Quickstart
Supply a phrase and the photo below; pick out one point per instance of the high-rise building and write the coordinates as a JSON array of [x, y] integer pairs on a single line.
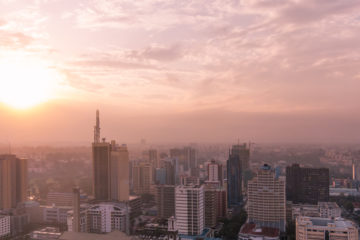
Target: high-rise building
[[160, 176], [189, 209], [236, 164], [186, 158], [307, 185], [119, 172], [142, 178], [101, 170], [170, 172], [165, 201], [76, 210], [215, 204], [316, 228], [215, 172], [153, 158], [13, 181], [266, 199], [110, 168]]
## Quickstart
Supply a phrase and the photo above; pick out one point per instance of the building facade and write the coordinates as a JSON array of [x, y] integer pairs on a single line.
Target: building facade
[[307, 185], [236, 164], [165, 201], [142, 178], [325, 228], [5, 229], [13, 181], [266, 199], [189, 209], [102, 218]]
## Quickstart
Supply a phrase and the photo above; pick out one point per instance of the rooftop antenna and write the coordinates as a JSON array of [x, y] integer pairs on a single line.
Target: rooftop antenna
[[97, 128]]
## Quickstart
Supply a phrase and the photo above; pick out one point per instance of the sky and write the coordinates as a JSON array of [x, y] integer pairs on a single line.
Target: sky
[[182, 71]]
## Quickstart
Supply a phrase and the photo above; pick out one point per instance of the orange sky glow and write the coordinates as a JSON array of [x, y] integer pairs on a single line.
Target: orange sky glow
[[170, 71]]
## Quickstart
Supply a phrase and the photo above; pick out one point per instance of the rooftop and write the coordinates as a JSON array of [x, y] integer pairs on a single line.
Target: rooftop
[[252, 229], [92, 236], [324, 222]]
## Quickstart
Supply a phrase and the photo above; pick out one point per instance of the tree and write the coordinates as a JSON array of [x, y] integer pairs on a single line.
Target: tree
[[232, 227]]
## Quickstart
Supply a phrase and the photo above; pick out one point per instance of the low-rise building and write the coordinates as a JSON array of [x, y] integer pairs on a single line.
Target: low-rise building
[[250, 231], [48, 233], [102, 218], [329, 210], [325, 228]]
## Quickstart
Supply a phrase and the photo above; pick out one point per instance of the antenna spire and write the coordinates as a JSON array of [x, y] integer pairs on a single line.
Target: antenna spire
[[97, 128]]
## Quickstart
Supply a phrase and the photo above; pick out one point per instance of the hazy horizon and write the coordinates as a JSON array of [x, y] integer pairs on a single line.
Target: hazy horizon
[[180, 71]]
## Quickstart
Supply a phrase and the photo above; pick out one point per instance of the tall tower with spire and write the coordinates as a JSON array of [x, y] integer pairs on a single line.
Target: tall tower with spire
[[110, 168], [97, 128]]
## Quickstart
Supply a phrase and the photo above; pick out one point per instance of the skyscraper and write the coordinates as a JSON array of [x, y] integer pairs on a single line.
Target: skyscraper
[[13, 181], [266, 199], [236, 164], [110, 168], [101, 152], [189, 209], [307, 185], [119, 172]]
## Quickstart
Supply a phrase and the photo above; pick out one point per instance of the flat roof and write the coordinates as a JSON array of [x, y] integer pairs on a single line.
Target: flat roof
[[252, 229], [92, 236]]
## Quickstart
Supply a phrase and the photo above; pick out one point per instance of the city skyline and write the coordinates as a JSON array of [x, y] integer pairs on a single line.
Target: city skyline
[[164, 70]]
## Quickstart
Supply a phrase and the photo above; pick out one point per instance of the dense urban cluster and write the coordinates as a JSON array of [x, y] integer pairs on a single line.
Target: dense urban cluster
[[193, 192]]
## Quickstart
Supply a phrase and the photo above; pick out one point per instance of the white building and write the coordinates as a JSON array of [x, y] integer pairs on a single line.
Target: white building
[[54, 214], [323, 210], [189, 209], [266, 205], [329, 210], [103, 218], [325, 228], [5, 229]]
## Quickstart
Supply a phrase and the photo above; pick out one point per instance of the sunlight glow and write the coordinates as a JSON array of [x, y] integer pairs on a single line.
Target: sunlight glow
[[26, 82]]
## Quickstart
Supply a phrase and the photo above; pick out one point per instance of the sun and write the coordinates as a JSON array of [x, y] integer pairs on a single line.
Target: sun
[[26, 82]]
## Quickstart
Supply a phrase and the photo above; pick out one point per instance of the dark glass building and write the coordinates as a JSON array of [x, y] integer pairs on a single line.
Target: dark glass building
[[238, 161], [307, 185]]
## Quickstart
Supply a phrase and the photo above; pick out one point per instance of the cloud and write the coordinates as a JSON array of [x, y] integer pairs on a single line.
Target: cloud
[[14, 40]]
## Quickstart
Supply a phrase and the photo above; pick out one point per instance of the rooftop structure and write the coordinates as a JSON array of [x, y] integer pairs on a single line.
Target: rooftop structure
[[252, 231]]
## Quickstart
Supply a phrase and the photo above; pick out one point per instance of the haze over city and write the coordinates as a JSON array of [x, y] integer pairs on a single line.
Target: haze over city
[[180, 71]]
